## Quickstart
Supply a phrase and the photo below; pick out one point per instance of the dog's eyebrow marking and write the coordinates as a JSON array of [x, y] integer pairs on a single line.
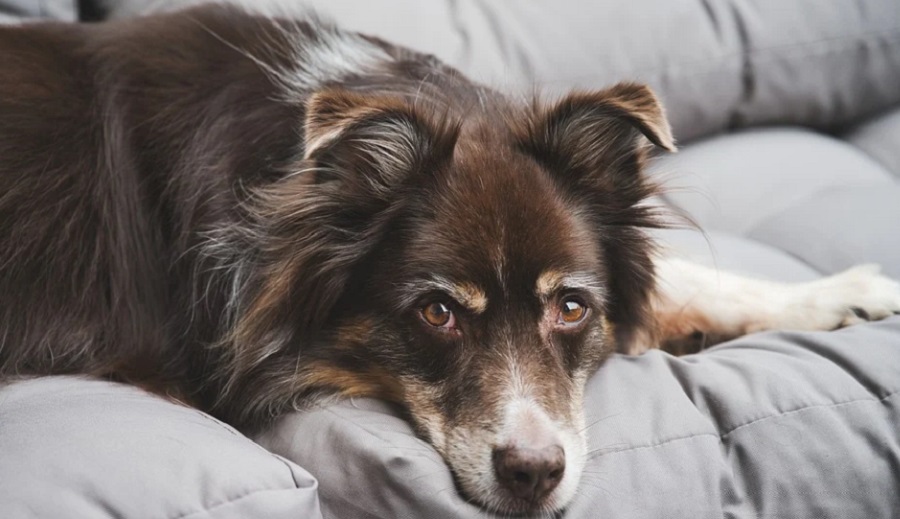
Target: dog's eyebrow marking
[[470, 296], [465, 293], [552, 281], [548, 282]]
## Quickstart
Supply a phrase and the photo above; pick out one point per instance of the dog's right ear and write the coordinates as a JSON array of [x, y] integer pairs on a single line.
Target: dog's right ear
[[596, 140], [595, 144], [371, 142], [319, 223]]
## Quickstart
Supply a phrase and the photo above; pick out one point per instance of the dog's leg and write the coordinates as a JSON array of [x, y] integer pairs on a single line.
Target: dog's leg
[[696, 306]]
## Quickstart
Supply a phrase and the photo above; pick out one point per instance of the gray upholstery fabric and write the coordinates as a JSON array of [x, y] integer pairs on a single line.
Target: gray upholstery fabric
[[880, 138], [813, 198], [18, 10], [840, 227], [735, 181], [771, 425], [718, 64], [72, 447], [734, 253], [818, 63]]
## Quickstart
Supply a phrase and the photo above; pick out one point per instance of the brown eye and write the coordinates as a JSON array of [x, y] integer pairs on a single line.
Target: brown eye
[[571, 311], [438, 315]]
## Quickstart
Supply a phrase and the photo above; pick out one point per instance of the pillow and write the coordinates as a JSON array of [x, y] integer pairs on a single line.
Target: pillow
[[74, 447], [799, 425], [18, 10], [717, 65]]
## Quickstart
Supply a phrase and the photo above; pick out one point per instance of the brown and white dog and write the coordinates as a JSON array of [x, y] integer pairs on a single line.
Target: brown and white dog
[[249, 213]]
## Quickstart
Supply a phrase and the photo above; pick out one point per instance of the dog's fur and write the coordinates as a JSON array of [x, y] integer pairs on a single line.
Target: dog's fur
[[247, 213]]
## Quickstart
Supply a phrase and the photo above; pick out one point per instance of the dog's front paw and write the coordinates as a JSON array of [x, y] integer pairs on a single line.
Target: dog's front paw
[[856, 295]]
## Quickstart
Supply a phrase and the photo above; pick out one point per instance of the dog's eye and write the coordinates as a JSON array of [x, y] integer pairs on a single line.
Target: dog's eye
[[438, 315], [571, 311]]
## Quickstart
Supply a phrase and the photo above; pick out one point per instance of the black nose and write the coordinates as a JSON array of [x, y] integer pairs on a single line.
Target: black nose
[[529, 474]]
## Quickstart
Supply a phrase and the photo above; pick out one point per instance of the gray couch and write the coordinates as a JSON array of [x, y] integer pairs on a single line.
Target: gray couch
[[789, 118]]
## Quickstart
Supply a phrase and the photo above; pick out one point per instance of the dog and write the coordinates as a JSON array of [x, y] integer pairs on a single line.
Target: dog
[[249, 213]]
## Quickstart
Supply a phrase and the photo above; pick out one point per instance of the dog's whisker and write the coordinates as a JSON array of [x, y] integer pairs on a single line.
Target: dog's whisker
[[606, 449], [597, 421]]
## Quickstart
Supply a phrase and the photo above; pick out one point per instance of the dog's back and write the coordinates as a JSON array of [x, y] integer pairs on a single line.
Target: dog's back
[[120, 146], [65, 195]]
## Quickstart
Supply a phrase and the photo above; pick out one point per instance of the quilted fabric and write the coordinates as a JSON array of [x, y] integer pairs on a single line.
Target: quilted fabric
[[72, 447], [17, 10], [772, 425], [809, 197], [718, 64]]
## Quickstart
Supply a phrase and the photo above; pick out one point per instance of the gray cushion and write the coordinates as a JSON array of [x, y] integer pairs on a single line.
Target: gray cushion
[[771, 425], [735, 254], [880, 138], [733, 182], [818, 64], [811, 197], [72, 447], [718, 64], [20, 10], [840, 227]]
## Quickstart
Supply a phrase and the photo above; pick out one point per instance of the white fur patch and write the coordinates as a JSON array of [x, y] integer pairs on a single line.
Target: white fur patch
[[333, 54], [520, 421], [692, 297], [329, 55]]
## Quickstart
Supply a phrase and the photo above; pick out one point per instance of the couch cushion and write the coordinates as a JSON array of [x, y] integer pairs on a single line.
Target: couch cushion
[[815, 65], [733, 182], [840, 227], [811, 196], [717, 64], [880, 138], [735, 254], [73, 447], [20, 10], [771, 425]]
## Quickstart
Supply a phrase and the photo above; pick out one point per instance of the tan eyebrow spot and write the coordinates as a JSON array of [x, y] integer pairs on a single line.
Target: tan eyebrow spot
[[470, 296], [552, 281], [548, 282]]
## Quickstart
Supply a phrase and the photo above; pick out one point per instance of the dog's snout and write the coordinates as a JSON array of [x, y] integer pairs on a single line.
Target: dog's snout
[[529, 474]]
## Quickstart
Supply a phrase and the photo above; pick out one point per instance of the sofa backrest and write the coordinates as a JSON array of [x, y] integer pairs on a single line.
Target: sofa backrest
[[15, 11], [718, 64]]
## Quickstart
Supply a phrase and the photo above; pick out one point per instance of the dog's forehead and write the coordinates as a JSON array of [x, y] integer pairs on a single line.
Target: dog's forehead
[[498, 218]]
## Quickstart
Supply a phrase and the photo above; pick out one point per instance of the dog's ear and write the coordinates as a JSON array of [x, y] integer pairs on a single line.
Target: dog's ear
[[599, 137], [371, 140], [321, 221], [595, 145]]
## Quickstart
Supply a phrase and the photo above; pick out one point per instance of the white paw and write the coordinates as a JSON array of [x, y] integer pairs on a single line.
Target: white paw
[[856, 295]]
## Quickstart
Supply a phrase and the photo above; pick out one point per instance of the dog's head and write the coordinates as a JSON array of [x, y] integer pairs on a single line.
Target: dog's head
[[475, 271]]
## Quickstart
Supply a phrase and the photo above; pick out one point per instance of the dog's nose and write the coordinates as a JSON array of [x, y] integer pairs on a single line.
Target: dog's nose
[[529, 474]]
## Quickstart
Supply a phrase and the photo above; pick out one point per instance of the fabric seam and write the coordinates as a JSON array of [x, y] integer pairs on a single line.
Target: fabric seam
[[211, 509], [810, 407], [721, 436]]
